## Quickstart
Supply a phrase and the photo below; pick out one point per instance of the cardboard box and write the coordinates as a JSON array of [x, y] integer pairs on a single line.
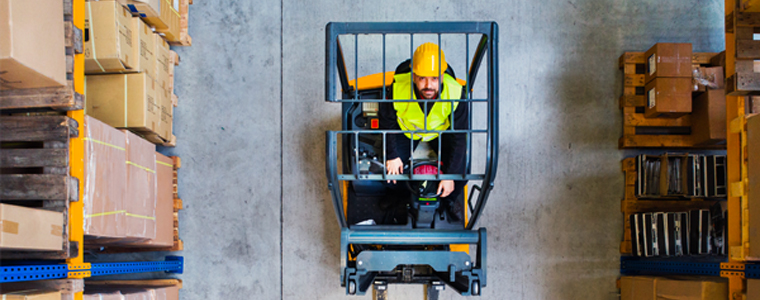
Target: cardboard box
[[137, 294], [164, 66], [167, 293], [103, 296], [32, 45], [32, 295], [172, 19], [708, 118], [167, 115], [164, 205], [24, 228], [109, 36], [681, 288], [105, 169], [753, 185], [140, 201], [753, 288], [714, 75], [668, 97], [160, 14], [150, 10], [636, 288], [108, 96], [145, 47], [668, 60]]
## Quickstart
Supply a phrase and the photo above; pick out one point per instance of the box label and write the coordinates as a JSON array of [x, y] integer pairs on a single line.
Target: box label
[[651, 98], [652, 65]]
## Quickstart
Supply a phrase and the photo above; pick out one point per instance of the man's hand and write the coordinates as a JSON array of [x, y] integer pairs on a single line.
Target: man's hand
[[394, 167], [445, 188]]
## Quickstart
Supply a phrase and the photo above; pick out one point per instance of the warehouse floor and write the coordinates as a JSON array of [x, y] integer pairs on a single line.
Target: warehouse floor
[[258, 222]]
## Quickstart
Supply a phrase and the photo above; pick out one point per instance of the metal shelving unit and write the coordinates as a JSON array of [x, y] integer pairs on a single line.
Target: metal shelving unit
[[736, 268], [75, 267]]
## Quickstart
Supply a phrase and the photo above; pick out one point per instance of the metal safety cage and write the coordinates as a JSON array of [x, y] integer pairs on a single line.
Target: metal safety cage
[[369, 267], [487, 47]]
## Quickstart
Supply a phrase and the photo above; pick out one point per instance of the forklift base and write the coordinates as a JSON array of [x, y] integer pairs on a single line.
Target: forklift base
[[455, 269]]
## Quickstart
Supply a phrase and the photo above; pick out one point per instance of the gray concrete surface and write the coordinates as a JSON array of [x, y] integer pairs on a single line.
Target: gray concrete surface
[[258, 223]]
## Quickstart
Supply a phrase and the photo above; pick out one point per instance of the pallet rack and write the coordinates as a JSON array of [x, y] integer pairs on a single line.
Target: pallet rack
[[742, 21], [74, 268]]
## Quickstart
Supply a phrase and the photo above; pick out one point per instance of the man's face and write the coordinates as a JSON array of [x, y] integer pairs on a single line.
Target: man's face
[[428, 86]]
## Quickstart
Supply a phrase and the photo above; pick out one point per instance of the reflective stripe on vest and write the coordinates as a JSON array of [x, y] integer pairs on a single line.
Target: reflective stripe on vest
[[411, 117]]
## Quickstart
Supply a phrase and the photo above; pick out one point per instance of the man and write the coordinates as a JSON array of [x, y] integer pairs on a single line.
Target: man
[[431, 78]]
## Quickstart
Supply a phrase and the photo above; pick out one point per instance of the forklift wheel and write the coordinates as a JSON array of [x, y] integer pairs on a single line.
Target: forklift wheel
[[351, 287], [475, 288]]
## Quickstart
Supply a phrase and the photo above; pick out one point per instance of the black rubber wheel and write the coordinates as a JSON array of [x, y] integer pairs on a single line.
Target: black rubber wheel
[[475, 288], [351, 287]]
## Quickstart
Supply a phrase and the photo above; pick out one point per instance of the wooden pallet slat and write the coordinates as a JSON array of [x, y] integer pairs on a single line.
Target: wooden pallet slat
[[28, 158], [37, 128], [39, 187]]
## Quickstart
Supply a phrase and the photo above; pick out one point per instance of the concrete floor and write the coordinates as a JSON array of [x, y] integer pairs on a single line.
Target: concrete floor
[[258, 222]]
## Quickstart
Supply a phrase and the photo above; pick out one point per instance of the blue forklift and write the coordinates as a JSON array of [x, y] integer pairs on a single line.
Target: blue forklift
[[409, 235]]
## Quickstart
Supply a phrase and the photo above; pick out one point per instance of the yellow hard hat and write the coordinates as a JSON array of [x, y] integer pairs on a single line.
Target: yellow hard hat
[[426, 61]]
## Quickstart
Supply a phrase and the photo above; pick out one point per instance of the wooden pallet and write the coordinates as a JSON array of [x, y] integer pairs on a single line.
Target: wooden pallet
[[746, 80], [178, 245], [34, 155], [641, 132], [58, 98], [184, 37], [632, 205]]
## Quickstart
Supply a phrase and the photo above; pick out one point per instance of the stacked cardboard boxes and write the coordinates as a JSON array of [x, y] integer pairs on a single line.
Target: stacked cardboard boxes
[[32, 294], [124, 292], [120, 185], [668, 80], [164, 206], [129, 83], [675, 87], [651, 288], [709, 106], [161, 14]]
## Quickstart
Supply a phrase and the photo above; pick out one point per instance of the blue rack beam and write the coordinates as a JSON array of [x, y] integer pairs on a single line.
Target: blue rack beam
[[172, 264], [32, 272], [752, 271], [630, 266]]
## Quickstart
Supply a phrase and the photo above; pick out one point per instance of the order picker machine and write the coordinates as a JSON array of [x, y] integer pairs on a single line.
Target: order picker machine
[[396, 236]]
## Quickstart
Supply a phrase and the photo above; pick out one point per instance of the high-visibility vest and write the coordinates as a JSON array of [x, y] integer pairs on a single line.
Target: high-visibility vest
[[411, 117]]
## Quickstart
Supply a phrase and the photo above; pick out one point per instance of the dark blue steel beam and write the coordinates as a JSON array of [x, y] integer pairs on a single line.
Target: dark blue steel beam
[[173, 264], [412, 237], [629, 266], [29, 273]]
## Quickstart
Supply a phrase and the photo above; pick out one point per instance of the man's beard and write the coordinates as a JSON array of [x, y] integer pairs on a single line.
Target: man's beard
[[435, 94]]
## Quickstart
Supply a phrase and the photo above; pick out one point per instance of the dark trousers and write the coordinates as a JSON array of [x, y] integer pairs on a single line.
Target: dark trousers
[[405, 147]]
